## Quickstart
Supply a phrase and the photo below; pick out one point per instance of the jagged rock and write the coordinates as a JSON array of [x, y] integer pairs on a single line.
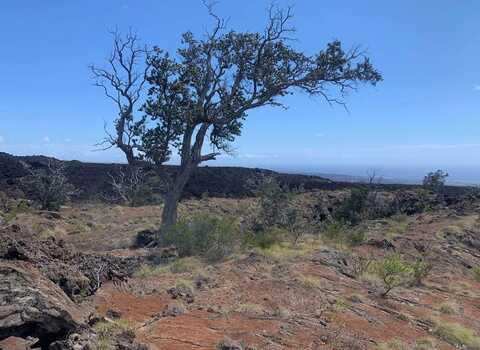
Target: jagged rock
[[14, 343], [113, 314], [87, 339], [76, 273], [145, 238], [181, 292], [162, 255], [342, 262], [228, 344], [381, 244], [32, 305]]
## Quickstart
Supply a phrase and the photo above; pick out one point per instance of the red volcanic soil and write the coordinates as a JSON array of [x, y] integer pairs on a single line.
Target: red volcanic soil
[[299, 298]]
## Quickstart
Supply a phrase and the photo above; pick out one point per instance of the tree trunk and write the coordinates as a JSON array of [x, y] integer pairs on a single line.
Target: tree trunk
[[169, 214]]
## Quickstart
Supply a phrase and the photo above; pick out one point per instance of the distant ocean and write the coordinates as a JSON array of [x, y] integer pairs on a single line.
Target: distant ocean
[[458, 175]]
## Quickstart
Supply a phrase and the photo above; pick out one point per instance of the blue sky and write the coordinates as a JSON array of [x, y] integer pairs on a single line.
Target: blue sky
[[424, 115]]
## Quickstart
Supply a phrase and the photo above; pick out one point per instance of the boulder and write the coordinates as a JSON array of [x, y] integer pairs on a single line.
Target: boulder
[[33, 306]]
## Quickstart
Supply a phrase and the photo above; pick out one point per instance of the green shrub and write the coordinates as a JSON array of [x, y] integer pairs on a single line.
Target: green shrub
[[420, 270], [424, 344], [356, 237], [395, 344], [274, 202], [352, 208], [393, 272], [210, 237], [435, 181], [340, 233], [476, 273], [262, 238], [449, 309], [458, 335]]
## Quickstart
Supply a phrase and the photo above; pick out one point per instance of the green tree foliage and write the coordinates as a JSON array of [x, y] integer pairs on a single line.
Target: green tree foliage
[[203, 93], [352, 209], [435, 181]]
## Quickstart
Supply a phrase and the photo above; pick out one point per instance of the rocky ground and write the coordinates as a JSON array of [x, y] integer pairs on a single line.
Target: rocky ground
[[73, 280]]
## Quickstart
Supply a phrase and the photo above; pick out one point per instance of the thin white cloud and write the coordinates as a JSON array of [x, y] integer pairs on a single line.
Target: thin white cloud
[[46, 139], [476, 87], [257, 156], [425, 147], [319, 134]]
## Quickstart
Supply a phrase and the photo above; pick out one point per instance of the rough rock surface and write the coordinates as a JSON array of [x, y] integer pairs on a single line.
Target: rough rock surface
[[78, 274], [88, 340], [32, 305]]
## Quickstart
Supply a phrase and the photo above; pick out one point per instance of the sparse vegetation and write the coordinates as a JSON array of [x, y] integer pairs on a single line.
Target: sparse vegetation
[[421, 268], [107, 331], [342, 234], [435, 181], [393, 272], [476, 273], [352, 209], [449, 309], [211, 237], [457, 335], [397, 344], [50, 186], [130, 186]]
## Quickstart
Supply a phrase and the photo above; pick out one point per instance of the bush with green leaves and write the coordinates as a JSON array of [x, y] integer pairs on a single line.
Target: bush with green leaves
[[341, 233], [435, 181], [476, 273], [421, 268], [263, 238], [210, 237], [352, 208], [276, 212], [393, 271], [274, 202]]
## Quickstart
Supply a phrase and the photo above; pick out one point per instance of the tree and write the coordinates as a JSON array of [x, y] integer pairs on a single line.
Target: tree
[[129, 185], [50, 186], [205, 91], [435, 181], [122, 82]]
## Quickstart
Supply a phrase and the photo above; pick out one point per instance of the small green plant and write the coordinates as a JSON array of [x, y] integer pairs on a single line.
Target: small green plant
[[449, 309], [476, 273], [424, 344], [340, 233], [262, 238], [210, 237], [274, 201], [334, 231], [393, 272], [292, 224], [108, 331], [395, 344], [421, 268], [458, 335]]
